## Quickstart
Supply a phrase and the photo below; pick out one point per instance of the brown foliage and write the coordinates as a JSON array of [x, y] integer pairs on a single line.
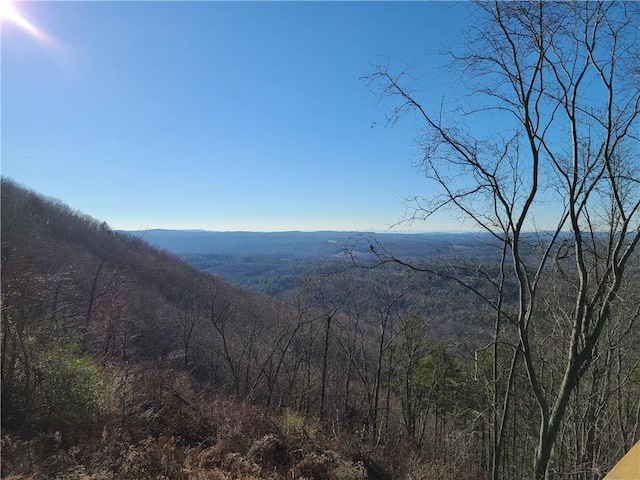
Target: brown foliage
[[329, 466]]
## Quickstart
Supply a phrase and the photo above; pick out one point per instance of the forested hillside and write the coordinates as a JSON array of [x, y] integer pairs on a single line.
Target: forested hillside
[[122, 361]]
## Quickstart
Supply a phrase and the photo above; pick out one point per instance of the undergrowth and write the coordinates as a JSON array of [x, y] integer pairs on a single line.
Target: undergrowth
[[159, 424]]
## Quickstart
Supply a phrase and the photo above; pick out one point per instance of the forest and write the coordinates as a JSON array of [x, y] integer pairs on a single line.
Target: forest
[[120, 360], [274, 262], [111, 345], [512, 356]]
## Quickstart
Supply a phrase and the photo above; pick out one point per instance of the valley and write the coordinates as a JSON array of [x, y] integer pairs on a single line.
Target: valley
[[169, 354], [276, 262]]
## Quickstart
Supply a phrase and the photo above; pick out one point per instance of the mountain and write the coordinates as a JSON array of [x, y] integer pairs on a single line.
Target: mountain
[[119, 360], [314, 245], [277, 262], [300, 244]]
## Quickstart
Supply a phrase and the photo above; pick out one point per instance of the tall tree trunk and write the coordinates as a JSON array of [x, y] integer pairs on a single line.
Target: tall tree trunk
[[324, 365]]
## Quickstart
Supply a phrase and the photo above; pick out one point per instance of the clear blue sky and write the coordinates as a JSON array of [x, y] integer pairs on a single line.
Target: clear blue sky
[[218, 115]]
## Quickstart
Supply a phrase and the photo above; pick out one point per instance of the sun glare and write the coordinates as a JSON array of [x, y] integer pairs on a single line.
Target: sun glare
[[9, 13]]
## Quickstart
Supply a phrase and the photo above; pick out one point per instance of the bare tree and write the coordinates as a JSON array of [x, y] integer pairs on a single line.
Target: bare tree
[[557, 185], [189, 313]]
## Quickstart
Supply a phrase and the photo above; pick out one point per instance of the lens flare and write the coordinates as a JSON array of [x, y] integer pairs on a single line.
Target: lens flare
[[9, 13]]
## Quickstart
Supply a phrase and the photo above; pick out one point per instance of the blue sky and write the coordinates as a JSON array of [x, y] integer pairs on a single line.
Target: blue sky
[[219, 115]]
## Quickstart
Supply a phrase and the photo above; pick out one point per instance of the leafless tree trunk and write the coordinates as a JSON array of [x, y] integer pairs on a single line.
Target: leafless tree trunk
[[188, 314], [557, 187], [386, 309], [220, 311]]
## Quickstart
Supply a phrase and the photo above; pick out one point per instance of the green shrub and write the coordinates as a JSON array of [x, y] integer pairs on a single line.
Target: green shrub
[[292, 423], [72, 391]]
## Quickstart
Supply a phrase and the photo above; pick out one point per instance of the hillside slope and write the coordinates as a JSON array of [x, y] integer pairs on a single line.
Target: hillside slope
[[83, 274], [121, 361]]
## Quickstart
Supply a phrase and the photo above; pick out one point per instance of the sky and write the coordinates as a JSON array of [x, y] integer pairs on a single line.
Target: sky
[[220, 115]]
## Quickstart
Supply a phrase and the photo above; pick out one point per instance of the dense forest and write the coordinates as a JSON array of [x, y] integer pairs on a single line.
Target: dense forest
[[120, 360]]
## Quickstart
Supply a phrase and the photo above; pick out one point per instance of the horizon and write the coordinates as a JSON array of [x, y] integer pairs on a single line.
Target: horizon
[[218, 115], [227, 116], [390, 231], [381, 232]]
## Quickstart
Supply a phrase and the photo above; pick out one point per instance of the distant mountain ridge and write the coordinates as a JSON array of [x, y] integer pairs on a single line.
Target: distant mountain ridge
[[292, 243], [240, 243]]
